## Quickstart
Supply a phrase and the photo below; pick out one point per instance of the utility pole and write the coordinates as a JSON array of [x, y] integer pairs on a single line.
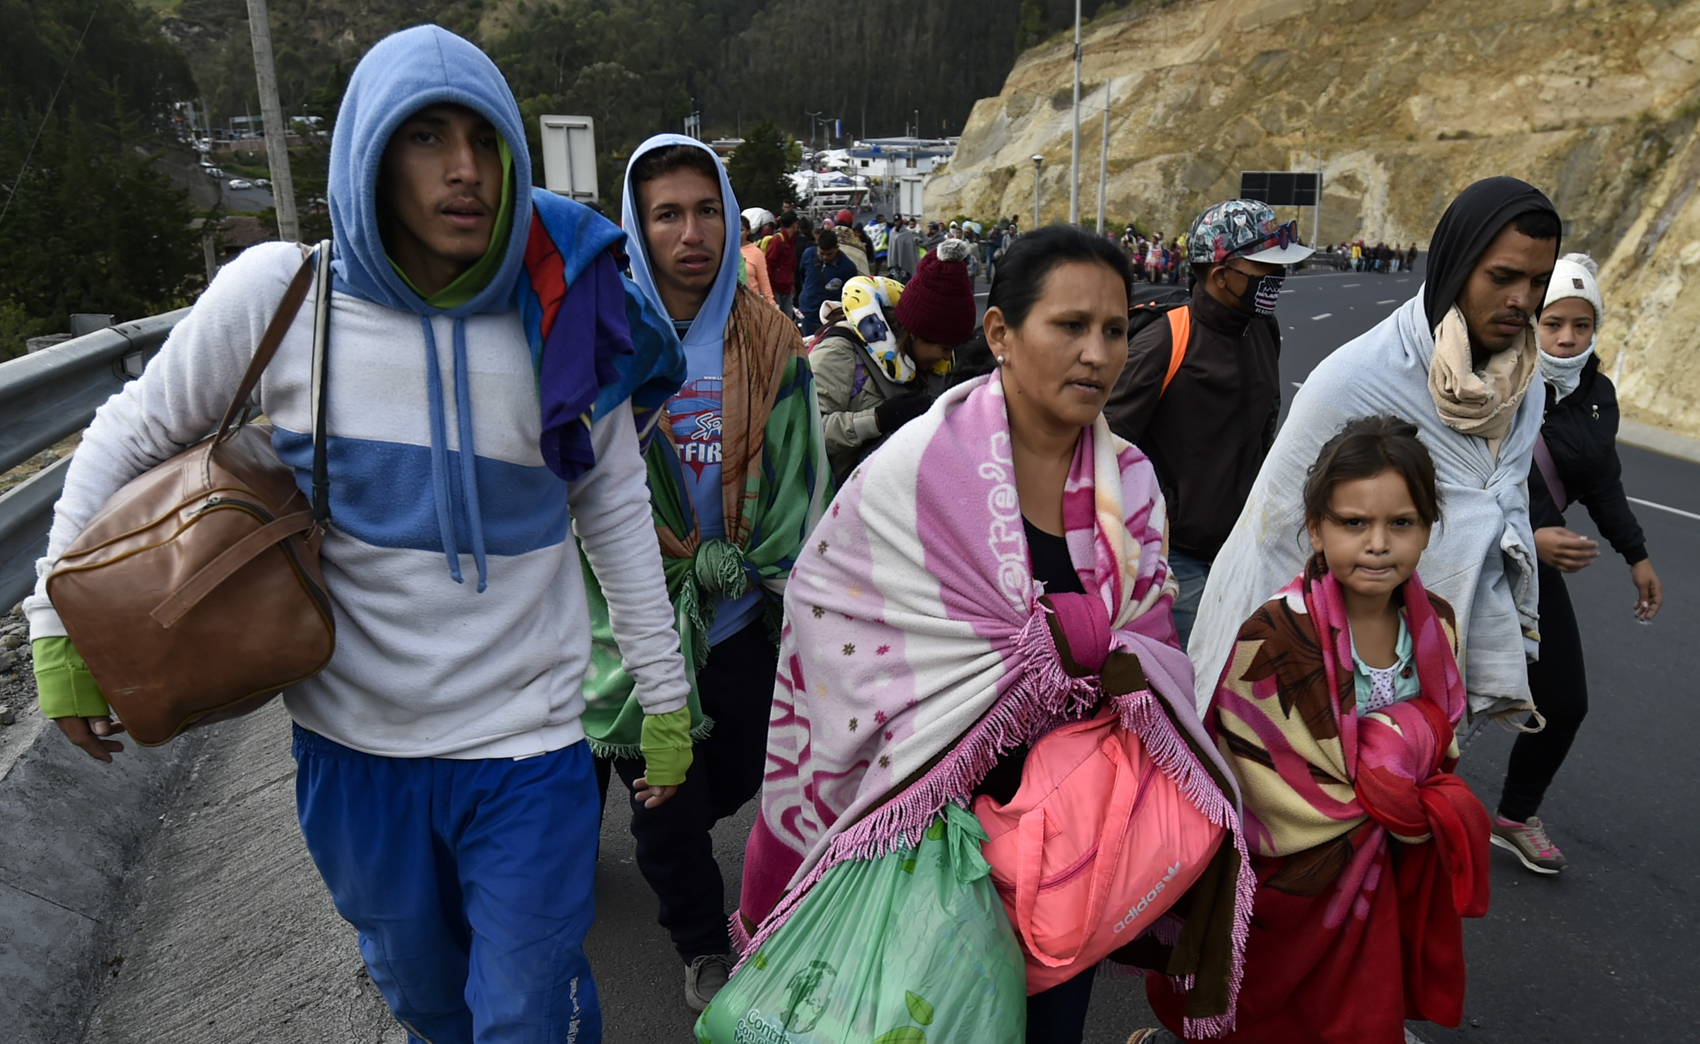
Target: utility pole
[[1104, 157], [1074, 160], [271, 111], [1316, 211]]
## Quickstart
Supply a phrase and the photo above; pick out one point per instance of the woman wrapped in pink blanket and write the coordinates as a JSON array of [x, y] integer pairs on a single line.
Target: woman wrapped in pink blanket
[[996, 569]]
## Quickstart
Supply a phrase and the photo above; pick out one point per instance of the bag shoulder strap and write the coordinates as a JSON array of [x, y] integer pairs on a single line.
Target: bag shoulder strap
[[315, 264], [320, 387], [285, 315], [1549, 472], [1180, 332]]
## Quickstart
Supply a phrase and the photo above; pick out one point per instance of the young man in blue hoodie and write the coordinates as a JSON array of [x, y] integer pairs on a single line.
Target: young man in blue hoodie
[[737, 479], [479, 382]]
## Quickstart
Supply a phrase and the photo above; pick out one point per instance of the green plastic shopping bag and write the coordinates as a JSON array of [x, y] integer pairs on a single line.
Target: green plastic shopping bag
[[911, 948]]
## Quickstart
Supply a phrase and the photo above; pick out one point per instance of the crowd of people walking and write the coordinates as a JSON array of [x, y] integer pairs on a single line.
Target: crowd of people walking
[[733, 508]]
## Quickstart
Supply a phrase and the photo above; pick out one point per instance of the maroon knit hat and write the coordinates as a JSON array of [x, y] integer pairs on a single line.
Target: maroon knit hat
[[938, 304]]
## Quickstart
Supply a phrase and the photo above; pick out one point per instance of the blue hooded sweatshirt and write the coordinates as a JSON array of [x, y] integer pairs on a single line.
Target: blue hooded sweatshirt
[[428, 65], [695, 412], [404, 73]]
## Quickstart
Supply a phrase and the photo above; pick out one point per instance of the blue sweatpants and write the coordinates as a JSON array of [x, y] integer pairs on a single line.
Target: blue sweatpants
[[470, 882]]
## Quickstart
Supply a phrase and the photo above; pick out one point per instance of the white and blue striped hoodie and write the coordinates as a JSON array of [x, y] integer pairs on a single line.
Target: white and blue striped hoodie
[[435, 466]]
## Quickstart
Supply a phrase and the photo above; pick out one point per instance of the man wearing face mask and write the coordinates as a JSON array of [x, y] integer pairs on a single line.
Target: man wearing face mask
[[1206, 413]]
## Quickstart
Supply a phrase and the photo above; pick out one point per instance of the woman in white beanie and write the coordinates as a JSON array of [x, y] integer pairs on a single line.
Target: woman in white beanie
[[1575, 460]]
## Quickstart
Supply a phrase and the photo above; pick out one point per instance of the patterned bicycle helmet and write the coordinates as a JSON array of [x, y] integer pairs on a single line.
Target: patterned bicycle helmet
[[1243, 228]]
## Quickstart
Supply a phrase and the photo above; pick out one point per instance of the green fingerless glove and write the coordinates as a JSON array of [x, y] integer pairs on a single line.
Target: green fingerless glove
[[666, 744], [63, 684]]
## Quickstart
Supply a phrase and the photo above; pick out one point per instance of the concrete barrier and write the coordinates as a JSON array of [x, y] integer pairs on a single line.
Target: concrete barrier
[[70, 828]]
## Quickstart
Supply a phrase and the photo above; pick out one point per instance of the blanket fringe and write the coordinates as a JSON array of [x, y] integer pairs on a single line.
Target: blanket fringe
[[1143, 715], [611, 751], [1041, 697]]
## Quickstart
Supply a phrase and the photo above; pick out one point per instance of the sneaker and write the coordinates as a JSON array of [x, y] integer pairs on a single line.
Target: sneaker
[[704, 978], [1530, 844]]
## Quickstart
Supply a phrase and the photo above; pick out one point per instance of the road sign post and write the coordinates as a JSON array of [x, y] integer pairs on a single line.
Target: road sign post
[[569, 156]]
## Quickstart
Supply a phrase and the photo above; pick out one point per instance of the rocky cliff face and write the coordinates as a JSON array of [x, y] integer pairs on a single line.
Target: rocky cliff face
[[1401, 103]]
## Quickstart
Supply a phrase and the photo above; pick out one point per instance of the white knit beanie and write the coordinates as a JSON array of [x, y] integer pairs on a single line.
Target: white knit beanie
[[1575, 275]]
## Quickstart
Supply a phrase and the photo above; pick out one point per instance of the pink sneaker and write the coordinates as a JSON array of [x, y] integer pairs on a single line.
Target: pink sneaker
[[1530, 844]]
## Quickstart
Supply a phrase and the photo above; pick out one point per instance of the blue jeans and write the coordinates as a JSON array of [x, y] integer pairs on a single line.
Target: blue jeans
[[1190, 573], [470, 883]]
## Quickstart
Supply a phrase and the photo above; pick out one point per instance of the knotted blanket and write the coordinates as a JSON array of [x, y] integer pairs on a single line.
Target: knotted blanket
[[1348, 941], [916, 651]]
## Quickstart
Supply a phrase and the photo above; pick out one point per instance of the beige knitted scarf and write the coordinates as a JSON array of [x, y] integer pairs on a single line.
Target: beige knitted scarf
[[1479, 402]]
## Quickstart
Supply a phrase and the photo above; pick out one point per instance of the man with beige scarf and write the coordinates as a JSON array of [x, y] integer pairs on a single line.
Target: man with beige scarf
[[1457, 361]]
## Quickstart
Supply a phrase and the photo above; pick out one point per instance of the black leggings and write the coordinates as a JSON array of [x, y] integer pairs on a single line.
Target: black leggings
[[1559, 683], [1058, 1015]]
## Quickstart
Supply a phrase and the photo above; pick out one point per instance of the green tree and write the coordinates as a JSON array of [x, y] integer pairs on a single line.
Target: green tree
[[1035, 18], [92, 228], [757, 169]]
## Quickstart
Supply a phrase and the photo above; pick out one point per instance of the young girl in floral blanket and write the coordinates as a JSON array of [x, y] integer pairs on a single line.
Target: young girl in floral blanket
[[1337, 711]]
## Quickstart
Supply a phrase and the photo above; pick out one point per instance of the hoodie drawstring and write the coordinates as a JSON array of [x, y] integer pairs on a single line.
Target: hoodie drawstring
[[440, 453], [468, 461]]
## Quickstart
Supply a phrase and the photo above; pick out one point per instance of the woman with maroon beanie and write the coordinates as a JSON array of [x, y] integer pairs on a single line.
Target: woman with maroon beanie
[[881, 365]]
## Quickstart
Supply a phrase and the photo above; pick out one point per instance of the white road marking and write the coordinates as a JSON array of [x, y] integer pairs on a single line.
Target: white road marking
[[1324, 315], [1401, 280], [1390, 300], [1348, 286], [1661, 507]]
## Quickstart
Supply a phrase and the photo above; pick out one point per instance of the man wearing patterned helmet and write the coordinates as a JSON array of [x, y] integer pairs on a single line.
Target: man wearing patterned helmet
[[1201, 393]]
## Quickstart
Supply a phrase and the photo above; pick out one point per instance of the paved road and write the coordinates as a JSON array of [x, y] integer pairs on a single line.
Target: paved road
[[1604, 953], [248, 200]]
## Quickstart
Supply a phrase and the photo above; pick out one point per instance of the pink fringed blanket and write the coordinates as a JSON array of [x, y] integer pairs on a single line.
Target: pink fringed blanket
[[915, 650]]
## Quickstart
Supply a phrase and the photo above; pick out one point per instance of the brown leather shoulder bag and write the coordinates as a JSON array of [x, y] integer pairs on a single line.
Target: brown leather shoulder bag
[[194, 594]]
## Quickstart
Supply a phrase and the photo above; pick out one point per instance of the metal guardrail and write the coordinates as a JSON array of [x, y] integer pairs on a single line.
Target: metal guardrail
[[43, 398]]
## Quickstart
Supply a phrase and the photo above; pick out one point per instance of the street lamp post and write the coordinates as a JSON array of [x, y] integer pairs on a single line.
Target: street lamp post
[[1074, 154], [1104, 156], [1038, 161]]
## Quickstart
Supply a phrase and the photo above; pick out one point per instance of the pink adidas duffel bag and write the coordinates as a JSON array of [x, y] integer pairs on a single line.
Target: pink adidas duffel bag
[[1094, 847]]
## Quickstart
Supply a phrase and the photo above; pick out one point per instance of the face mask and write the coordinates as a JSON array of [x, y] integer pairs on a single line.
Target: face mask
[[1262, 295]]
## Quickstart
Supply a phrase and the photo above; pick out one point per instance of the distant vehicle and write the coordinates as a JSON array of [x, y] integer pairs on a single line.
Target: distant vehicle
[[262, 183], [238, 183], [214, 172]]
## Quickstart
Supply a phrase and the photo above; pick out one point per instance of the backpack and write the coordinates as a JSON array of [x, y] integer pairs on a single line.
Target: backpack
[[1151, 302], [1094, 847]]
